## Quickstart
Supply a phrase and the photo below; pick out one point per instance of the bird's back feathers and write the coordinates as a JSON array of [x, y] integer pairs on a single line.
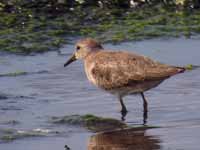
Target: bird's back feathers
[[117, 69]]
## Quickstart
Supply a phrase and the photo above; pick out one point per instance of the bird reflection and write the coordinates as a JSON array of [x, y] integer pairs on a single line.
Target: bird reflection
[[126, 139]]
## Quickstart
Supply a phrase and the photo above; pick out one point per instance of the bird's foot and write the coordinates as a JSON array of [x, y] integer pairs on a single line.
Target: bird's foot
[[123, 113]]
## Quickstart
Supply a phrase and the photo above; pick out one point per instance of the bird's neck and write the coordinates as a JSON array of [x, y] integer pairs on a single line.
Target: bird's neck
[[93, 52]]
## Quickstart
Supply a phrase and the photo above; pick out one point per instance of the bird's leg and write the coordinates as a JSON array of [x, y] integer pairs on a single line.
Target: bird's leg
[[145, 104], [123, 108], [145, 108]]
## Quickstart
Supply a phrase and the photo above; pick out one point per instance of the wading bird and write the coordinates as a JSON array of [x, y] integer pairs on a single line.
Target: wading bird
[[121, 73]]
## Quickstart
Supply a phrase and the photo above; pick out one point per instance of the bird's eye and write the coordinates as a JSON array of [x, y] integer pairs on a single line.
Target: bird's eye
[[78, 48]]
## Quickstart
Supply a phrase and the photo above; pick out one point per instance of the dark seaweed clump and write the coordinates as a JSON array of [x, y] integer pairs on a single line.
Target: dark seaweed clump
[[91, 122]]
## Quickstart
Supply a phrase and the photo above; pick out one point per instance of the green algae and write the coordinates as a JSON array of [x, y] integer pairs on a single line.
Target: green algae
[[31, 32], [15, 136], [91, 122], [21, 73], [97, 124], [8, 138], [29, 35], [8, 135], [191, 67], [13, 74]]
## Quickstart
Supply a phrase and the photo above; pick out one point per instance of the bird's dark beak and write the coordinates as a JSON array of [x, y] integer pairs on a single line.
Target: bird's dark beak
[[71, 59]]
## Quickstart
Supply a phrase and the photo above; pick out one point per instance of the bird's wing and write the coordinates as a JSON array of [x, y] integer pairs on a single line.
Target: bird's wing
[[116, 69]]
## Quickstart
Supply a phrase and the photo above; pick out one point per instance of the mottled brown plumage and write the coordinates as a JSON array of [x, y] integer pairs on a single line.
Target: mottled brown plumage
[[121, 72], [111, 70]]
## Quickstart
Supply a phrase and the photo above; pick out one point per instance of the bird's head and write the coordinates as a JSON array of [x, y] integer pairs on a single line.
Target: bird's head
[[83, 48]]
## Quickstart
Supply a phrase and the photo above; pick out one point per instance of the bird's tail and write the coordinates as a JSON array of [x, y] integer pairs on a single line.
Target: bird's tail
[[181, 69]]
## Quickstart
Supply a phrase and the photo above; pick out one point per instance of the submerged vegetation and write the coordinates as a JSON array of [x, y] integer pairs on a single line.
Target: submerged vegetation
[[13, 74], [96, 124], [21, 73], [91, 122], [39, 26], [8, 135]]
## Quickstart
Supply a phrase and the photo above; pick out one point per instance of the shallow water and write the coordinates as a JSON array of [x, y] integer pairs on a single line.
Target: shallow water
[[27, 101]]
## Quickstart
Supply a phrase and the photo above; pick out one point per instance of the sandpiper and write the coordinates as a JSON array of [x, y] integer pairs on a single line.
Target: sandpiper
[[119, 72]]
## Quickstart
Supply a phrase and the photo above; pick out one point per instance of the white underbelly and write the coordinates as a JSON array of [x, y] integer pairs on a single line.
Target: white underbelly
[[89, 74]]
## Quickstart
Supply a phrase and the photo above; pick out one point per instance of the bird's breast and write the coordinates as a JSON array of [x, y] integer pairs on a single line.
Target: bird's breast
[[89, 73]]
